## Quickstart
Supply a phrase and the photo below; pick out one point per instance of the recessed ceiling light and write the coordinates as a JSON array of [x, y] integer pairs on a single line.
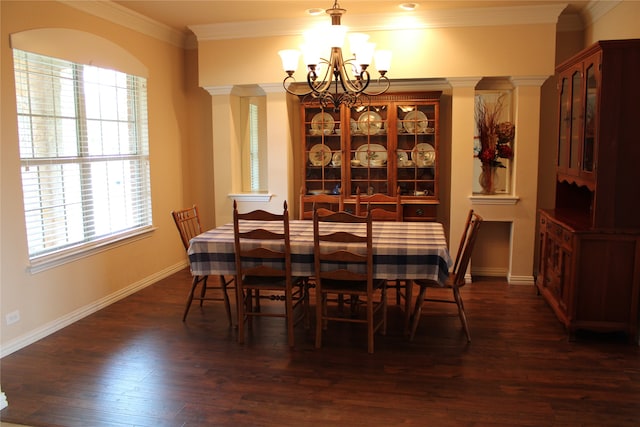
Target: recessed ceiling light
[[409, 6], [315, 11]]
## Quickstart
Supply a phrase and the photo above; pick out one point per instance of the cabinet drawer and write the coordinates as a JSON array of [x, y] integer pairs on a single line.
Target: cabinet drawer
[[419, 212]]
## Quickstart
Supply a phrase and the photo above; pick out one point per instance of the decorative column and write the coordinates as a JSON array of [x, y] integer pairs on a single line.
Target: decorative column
[[525, 172], [462, 112], [227, 175]]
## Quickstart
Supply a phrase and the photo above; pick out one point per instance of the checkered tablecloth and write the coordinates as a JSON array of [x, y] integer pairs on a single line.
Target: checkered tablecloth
[[401, 250]]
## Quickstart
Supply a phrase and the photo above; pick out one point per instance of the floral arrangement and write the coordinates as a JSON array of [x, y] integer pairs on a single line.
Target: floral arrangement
[[495, 137]]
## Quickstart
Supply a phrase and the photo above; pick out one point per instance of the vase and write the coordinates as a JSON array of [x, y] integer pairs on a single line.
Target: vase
[[488, 179]]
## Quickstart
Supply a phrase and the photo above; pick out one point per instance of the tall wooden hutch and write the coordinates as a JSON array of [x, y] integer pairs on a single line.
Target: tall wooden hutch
[[589, 260], [389, 143]]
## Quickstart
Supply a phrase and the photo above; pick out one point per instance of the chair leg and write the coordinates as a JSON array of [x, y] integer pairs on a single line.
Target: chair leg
[[417, 311], [408, 297], [240, 302], [319, 315], [463, 317], [227, 304], [290, 317], [194, 283], [203, 290], [306, 305], [385, 303], [370, 325]]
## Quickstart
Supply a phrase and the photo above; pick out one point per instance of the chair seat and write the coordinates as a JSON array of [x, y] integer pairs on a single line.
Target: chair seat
[[436, 284], [350, 287], [273, 283]]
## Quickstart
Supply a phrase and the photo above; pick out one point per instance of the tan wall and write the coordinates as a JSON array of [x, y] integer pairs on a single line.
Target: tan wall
[[56, 296], [417, 54], [619, 23]]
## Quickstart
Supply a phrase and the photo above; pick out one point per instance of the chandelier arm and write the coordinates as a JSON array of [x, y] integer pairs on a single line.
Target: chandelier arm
[[319, 86], [387, 84], [286, 87]]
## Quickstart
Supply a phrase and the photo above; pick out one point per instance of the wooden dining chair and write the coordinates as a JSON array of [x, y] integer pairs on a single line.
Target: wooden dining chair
[[388, 208], [263, 264], [456, 278], [343, 264], [331, 202], [382, 206], [188, 223]]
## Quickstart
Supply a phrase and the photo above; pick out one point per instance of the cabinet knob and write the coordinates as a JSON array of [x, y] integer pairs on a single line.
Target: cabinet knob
[[419, 212]]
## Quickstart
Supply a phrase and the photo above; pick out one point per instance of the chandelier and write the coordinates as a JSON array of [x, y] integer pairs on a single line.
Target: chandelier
[[336, 81]]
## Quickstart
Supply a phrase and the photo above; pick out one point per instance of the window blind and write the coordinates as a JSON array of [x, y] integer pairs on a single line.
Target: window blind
[[84, 152], [254, 127]]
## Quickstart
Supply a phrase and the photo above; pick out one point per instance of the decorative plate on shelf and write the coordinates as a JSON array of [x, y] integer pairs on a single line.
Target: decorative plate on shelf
[[415, 122], [366, 153], [320, 155], [370, 123], [322, 121], [424, 154], [336, 160], [354, 126], [403, 158]]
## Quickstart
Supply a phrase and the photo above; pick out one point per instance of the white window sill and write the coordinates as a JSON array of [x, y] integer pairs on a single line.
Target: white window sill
[[56, 259], [251, 197], [495, 199]]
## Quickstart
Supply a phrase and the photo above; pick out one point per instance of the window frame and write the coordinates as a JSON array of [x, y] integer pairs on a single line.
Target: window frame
[[70, 251]]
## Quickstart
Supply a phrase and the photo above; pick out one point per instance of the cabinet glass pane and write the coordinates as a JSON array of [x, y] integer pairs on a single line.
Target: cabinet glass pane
[[416, 151], [576, 113], [589, 119], [323, 151], [368, 150], [563, 153]]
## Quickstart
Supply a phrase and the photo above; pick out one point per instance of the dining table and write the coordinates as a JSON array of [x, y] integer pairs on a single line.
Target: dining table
[[401, 250]]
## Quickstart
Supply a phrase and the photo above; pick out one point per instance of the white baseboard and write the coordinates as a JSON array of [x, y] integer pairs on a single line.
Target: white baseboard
[[51, 327], [521, 280], [500, 272], [489, 271]]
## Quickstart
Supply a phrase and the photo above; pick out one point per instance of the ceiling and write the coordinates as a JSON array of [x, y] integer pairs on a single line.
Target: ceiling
[[180, 14]]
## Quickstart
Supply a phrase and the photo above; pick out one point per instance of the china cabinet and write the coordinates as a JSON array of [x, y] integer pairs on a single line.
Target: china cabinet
[[389, 143], [589, 259]]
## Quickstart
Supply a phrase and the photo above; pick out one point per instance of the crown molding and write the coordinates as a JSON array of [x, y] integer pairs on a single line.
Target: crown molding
[[120, 15], [476, 17], [596, 9]]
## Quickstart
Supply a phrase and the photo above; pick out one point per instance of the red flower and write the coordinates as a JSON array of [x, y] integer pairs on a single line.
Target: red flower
[[505, 151], [487, 155]]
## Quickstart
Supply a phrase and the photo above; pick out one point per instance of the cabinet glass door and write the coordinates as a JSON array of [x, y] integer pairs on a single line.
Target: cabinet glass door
[[322, 151], [368, 150], [416, 150], [565, 122], [576, 121], [589, 118]]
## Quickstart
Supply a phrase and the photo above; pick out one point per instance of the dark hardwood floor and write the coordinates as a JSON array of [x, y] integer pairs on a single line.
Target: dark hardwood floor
[[136, 363]]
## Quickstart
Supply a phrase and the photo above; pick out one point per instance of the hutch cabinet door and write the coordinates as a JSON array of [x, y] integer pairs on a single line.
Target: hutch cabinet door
[[590, 114], [368, 147], [322, 154], [417, 149]]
